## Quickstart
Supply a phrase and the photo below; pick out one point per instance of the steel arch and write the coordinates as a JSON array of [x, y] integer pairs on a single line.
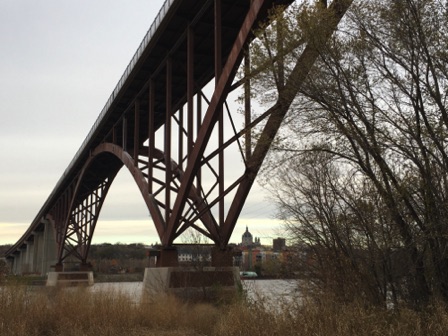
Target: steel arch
[[169, 72], [84, 210]]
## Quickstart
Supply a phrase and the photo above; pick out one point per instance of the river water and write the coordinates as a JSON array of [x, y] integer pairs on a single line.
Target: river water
[[268, 292]]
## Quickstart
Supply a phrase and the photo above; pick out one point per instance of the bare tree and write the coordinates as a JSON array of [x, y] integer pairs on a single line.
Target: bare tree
[[375, 105]]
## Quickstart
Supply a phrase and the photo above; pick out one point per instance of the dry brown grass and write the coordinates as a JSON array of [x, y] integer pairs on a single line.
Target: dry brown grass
[[75, 312]]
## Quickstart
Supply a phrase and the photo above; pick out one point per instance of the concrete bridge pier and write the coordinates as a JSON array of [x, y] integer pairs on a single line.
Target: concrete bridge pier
[[221, 281], [34, 260], [41, 266], [56, 275], [29, 257], [50, 250], [37, 253], [64, 277], [17, 262]]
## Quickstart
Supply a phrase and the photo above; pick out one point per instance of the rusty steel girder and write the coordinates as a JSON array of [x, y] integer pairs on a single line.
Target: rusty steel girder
[[153, 113], [173, 139]]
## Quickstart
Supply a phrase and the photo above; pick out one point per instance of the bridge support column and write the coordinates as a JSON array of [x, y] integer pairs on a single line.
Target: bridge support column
[[39, 251], [222, 258], [13, 264], [219, 282], [58, 267], [20, 259], [35, 257], [15, 268], [85, 267], [70, 279], [167, 258], [50, 247], [29, 257], [203, 284]]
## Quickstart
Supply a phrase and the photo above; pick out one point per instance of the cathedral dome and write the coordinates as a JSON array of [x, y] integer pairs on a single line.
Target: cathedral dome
[[247, 238], [247, 234]]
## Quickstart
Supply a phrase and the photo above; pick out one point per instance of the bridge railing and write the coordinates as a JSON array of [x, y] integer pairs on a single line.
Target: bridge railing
[[149, 35]]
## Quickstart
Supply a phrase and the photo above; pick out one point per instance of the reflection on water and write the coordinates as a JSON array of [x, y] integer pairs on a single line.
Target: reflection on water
[[271, 291], [132, 289]]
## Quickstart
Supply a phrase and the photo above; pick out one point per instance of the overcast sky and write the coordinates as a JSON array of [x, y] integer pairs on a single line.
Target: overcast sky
[[59, 62]]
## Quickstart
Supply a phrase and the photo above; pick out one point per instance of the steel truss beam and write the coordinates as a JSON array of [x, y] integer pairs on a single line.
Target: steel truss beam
[[176, 142], [175, 196]]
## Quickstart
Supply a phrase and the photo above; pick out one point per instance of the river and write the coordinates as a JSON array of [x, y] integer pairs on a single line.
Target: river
[[269, 292]]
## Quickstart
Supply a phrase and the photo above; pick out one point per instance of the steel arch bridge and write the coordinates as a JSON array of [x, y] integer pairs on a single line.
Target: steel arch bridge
[[160, 124]]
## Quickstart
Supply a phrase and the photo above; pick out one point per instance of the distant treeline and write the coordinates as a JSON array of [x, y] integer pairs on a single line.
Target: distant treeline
[[107, 251], [112, 258], [117, 251], [3, 249], [118, 258]]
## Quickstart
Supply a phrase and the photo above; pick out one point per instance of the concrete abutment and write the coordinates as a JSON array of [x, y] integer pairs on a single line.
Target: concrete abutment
[[191, 283]]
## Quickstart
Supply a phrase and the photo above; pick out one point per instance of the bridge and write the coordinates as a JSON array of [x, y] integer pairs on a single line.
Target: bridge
[[168, 121]]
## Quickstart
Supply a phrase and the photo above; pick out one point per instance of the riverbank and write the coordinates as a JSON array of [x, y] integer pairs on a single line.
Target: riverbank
[[80, 311], [35, 280]]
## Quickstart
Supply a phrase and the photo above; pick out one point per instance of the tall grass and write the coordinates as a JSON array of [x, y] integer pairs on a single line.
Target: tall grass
[[40, 311]]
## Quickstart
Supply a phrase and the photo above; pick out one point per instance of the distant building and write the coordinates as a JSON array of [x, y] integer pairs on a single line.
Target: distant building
[[279, 244], [194, 254], [247, 239], [253, 255]]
